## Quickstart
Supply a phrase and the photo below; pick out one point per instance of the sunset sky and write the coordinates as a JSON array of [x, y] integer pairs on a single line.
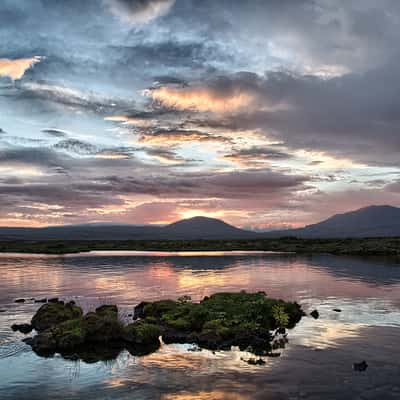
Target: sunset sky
[[264, 113]]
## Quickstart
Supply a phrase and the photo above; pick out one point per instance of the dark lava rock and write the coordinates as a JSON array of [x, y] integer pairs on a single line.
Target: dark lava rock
[[44, 344], [51, 314], [255, 361], [19, 301], [53, 300], [315, 314], [40, 300], [337, 310], [273, 354], [138, 311], [23, 328], [28, 340], [362, 366]]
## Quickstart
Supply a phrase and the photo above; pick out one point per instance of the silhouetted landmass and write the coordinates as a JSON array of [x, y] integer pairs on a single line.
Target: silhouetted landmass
[[370, 231], [355, 246], [189, 229], [374, 221]]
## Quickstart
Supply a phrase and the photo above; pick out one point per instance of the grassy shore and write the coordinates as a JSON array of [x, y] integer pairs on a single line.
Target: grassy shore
[[365, 246]]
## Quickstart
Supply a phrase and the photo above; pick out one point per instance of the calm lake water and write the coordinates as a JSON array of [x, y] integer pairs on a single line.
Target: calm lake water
[[316, 364]]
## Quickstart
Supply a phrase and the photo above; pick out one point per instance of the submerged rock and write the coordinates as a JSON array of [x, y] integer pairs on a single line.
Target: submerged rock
[[362, 366], [40, 300], [337, 310], [19, 301], [315, 314], [23, 328], [255, 361]]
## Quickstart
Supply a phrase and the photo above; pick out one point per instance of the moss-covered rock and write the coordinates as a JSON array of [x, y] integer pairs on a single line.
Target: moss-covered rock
[[142, 333], [224, 320], [52, 314], [102, 327], [217, 322]]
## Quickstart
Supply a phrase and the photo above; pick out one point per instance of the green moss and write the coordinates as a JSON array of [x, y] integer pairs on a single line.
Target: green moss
[[110, 311], [142, 333], [69, 334], [51, 314], [102, 328], [158, 308], [218, 322]]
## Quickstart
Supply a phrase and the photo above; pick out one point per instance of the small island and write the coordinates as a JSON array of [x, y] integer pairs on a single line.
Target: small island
[[249, 321]]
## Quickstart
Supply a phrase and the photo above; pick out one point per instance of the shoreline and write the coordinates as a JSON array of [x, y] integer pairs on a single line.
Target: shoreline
[[389, 246]]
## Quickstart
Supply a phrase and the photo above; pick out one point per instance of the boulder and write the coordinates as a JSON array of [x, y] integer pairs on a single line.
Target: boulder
[[51, 314], [142, 333], [102, 327], [23, 328], [315, 314], [44, 344]]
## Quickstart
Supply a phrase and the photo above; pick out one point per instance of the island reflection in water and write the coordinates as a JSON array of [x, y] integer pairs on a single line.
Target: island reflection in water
[[366, 291]]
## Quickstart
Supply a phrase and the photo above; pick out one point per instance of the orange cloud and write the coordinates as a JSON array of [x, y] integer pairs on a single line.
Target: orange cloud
[[15, 69], [200, 99]]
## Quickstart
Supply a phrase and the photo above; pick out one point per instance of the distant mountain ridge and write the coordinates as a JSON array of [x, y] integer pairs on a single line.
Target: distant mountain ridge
[[189, 229], [373, 221]]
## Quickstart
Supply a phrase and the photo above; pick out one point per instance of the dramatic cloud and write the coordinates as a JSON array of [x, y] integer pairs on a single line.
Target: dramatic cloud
[[255, 155], [15, 69], [76, 146], [139, 11], [199, 99], [264, 113], [178, 136], [58, 133]]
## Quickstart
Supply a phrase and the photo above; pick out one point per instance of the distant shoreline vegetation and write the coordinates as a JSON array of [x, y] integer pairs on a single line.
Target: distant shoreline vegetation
[[352, 246]]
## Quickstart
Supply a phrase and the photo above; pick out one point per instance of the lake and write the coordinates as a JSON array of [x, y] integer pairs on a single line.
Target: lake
[[317, 363]]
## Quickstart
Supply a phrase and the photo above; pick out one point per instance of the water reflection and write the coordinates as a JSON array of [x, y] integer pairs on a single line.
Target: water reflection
[[366, 291]]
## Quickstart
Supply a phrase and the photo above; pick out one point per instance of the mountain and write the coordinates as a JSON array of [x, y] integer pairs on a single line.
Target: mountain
[[373, 221], [206, 228], [193, 228]]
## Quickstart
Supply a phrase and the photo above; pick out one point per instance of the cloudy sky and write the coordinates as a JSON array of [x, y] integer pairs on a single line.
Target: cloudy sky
[[265, 113]]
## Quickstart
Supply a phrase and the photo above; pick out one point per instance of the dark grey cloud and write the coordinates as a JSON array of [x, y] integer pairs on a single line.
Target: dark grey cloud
[[177, 136], [336, 115], [31, 156], [76, 146], [257, 154], [47, 94], [58, 133]]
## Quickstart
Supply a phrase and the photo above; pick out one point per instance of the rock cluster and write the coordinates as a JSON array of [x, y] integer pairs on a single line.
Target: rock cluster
[[220, 321]]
